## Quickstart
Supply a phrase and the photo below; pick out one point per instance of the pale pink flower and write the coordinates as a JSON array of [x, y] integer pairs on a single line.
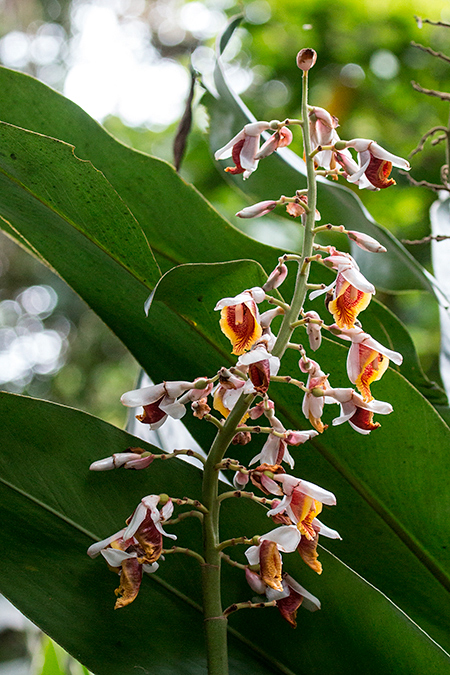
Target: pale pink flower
[[257, 210], [243, 148], [374, 164]]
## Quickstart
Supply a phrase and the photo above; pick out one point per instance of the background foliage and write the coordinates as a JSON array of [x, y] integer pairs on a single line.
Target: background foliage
[[85, 365]]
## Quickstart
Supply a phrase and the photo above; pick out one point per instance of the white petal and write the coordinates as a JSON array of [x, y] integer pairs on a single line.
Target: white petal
[[281, 506], [105, 464], [94, 549], [260, 353], [252, 554], [236, 300], [326, 531], [358, 280], [172, 408], [321, 291], [149, 569], [317, 492], [137, 519], [115, 557], [381, 153], [144, 396], [310, 601], [225, 152], [248, 152], [353, 369], [286, 537], [272, 594], [167, 510]]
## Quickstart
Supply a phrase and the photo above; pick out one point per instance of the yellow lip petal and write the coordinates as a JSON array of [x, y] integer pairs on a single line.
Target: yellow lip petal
[[270, 565], [348, 304], [372, 366], [240, 325]]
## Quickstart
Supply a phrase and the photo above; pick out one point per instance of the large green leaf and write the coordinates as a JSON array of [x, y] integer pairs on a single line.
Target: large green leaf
[[180, 225], [284, 173], [391, 486], [49, 576], [174, 229]]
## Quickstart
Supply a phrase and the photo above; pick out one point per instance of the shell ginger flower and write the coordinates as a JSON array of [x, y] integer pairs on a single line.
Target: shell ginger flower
[[239, 319]]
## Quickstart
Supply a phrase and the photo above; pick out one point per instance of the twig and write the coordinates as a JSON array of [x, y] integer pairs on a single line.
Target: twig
[[423, 183], [443, 95], [426, 240], [439, 55], [232, 562], [186, 551], [424, 138], [421, 21], [182, 516]]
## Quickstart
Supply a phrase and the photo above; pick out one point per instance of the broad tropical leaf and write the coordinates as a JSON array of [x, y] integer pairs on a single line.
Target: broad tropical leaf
[[49, 576]]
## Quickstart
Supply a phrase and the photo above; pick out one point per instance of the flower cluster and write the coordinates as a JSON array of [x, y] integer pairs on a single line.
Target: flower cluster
[[239, 400]]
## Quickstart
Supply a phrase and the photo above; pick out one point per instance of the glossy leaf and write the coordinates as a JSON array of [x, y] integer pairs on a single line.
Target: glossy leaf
[[284, 172], [46, 533]]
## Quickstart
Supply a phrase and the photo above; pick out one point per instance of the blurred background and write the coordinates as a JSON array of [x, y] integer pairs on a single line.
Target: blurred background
[[126, 63]]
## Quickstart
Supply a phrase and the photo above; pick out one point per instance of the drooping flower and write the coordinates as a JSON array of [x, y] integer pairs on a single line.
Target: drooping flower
[[356, 411], [351, 290], [275, 450], [228, 392], [261, 366], [267, 553], [313, 403], [243, 148], [161, 400], [276, 278], [322, 129], [374, 164], [240, 319], [136, 548], [302, 502], [367, 359]]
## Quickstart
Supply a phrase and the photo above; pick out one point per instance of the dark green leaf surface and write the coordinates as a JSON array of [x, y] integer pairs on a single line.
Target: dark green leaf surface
[[284, 172], [49, 576], [42, 181]]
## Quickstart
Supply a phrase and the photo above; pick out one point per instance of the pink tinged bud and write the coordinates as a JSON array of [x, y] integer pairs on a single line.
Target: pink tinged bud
[[240, 480], [280, 139], [365, 242], [313, 330], [115, 461], [139, 463], [298, 437], [257, 210], [255, 582], [306, 58], [276, 277]]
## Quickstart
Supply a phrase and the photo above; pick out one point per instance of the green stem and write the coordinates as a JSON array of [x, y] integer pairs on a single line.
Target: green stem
[[215, 621], [299, 296]]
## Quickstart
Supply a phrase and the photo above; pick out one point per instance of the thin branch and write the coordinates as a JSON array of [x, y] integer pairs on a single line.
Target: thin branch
[[421, 21], [232, 562], [426, 240], [183, 516], [443, 95], [190, 502], [425, 137], [439, 55], [247, 495], [234, 542], [423, 183], [186, 551]]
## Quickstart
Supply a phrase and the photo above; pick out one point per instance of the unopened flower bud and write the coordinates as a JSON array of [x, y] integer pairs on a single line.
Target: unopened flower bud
[[276, 277], [340, 145], [257, 210], [306, 58], [365, 242], [240, 480]]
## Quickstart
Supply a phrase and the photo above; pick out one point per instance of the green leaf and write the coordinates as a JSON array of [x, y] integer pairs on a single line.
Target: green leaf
[[49, 576], [172, 214], [43, 182], [145, 183], [284, 172]]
